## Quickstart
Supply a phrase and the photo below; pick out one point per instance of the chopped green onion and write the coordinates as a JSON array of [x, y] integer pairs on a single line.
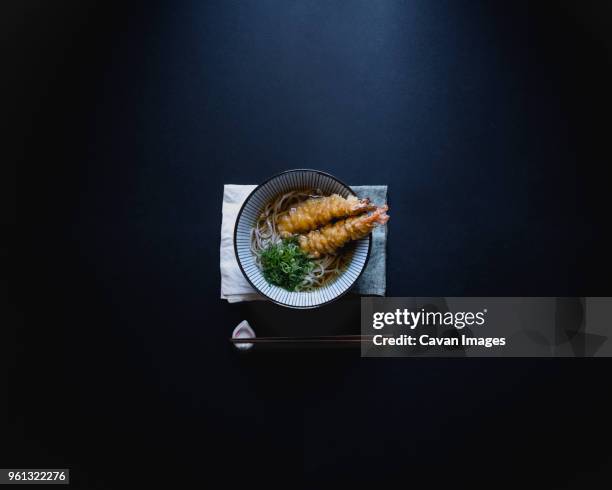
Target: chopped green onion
[[285, 265]]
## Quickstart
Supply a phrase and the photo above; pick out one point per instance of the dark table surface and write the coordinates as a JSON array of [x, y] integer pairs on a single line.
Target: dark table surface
[[489, 123]]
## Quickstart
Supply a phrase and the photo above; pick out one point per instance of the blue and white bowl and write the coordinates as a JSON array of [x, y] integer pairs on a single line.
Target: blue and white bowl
[[253, 206]]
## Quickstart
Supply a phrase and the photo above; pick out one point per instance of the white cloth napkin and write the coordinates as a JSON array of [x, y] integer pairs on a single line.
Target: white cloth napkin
[[235, 287]]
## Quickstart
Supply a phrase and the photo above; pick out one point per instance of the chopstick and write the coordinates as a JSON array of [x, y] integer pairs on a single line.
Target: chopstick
[[312, 339]]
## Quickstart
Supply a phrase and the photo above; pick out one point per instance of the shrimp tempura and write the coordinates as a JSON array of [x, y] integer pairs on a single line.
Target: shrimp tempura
[[318, 211], [331, 237]]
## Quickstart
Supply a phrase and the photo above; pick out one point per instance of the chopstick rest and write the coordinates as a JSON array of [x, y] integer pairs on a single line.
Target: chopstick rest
[[243, 331]]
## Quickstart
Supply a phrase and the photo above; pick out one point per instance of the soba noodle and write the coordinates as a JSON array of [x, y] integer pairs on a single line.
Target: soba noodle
[[264, 234]]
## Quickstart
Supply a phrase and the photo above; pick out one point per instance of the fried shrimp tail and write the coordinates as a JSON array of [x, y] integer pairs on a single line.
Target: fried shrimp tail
[[318, 211], [332, 237]]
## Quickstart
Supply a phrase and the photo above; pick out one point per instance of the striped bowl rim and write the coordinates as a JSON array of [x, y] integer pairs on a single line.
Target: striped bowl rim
[[293, 299]]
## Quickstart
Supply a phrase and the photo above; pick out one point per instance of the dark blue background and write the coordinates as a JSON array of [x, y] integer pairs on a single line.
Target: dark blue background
[[490, 124]]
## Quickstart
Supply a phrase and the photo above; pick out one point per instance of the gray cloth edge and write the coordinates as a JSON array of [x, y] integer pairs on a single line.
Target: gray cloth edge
[[373, 280]]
